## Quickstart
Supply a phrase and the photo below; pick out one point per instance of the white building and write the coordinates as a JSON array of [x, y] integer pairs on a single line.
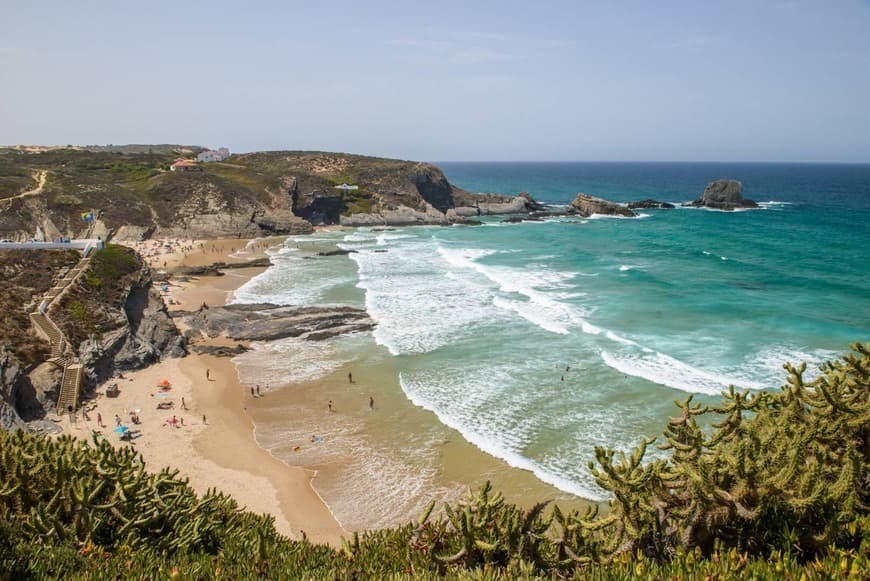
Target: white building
[[346, 187], [211, 155]]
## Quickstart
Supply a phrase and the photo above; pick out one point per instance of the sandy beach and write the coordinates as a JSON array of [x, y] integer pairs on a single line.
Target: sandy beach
[[205, 431]]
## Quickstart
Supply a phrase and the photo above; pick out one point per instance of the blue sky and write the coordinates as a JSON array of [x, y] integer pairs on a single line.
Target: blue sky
[[471, 80]]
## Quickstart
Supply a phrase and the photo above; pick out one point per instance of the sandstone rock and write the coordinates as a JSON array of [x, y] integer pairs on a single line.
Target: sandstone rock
[[724, 195], [586, 205], [10, 382], [219, 350], [267, 322], [650, 204], [215, 268]]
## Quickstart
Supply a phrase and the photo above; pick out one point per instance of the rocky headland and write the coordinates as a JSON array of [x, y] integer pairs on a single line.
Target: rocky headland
[[134, 194], [723, 195]]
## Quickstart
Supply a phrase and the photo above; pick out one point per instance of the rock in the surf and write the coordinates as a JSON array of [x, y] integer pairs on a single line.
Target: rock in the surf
[[724, 195], [585, 205], [650, 204]]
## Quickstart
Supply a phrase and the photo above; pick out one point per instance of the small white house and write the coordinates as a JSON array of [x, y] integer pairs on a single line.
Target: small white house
[[211, 155], [346, 187]]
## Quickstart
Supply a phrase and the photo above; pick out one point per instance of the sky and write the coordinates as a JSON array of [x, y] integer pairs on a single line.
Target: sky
[[446, 81]]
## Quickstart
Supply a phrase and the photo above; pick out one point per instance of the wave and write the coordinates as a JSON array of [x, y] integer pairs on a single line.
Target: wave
[[665, 370], [494, 445], [609, 217]]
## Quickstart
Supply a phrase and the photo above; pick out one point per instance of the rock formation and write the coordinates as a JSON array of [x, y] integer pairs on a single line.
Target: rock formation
[[650, 204], [267, 322], [585, 205], [724, 195]]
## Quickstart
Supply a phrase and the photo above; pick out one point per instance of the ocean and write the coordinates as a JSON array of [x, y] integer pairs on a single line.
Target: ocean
[[508, 349]]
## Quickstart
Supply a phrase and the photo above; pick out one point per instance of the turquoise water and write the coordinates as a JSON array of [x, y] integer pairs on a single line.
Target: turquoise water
[[539, 341]]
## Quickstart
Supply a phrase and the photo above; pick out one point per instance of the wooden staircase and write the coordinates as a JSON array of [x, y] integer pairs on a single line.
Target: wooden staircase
[[61, 354]]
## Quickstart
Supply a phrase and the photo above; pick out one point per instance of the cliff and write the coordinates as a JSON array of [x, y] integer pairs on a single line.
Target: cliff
[[44, 192], [112, 316]]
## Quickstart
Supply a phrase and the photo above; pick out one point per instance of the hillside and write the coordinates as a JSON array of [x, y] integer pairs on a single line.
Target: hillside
[[43, 193]]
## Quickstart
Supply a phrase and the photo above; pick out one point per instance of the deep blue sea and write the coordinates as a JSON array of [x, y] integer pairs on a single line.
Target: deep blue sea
[[539, 341]]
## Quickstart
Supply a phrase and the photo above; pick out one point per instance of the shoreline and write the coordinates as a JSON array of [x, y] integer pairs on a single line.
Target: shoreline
[[221, 453], [234, 454]]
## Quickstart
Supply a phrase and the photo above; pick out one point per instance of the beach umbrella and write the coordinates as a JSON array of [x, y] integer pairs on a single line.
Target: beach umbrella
[[164, 383], [122, 429]]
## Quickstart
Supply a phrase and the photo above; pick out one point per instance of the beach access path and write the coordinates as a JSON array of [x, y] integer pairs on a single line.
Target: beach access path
[[215, 445]]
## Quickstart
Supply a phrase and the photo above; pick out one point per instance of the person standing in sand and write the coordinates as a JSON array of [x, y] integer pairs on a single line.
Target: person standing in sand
[[371, 403], [329, 405], [207, 373], [349, 377]]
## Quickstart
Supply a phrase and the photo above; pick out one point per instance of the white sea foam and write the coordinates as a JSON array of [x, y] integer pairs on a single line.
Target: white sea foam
[[625, 267], [417, 306], [292, 360], [491, 433], [665, 370]]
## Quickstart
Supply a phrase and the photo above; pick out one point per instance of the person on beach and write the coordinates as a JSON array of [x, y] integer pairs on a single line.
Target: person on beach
[[117, 420], [203, 420], [183, 405], [208, 374], [258, 390], [252, 392], [563, 378], [329, 405], [100, 420], [349, 377], [371, 403], [85, 415], [72, 414], [567, 368]]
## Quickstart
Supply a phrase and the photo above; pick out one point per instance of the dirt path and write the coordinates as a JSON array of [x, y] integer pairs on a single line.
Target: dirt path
[[40, 183]]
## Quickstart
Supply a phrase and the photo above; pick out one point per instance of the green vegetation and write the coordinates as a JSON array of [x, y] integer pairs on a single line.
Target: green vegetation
[[110, 264], [93, 304], [776, 488]]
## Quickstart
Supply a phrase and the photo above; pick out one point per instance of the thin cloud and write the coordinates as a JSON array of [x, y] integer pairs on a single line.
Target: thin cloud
[[419, 43], [693, 42], [476, 55], [485, 36]]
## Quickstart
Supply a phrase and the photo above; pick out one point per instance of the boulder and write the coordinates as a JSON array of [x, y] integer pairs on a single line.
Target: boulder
[[650, 204], [723, 195], [585, 205]]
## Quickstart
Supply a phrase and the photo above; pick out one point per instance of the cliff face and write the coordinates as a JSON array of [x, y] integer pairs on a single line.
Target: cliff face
[[136, 195], [113, 317]]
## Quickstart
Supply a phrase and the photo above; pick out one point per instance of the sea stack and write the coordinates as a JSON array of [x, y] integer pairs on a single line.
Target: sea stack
[[585, 205], [724, 195]]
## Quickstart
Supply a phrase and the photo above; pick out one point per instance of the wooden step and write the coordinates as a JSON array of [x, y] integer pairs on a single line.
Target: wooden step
[[69, 388]]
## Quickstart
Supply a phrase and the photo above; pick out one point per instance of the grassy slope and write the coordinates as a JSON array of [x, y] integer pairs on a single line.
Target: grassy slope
[[93, 305]]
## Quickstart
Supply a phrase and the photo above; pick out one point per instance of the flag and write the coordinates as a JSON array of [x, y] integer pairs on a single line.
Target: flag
[[88, 216]]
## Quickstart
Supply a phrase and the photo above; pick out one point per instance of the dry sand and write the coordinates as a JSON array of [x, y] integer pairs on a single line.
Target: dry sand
[[215, 446]]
